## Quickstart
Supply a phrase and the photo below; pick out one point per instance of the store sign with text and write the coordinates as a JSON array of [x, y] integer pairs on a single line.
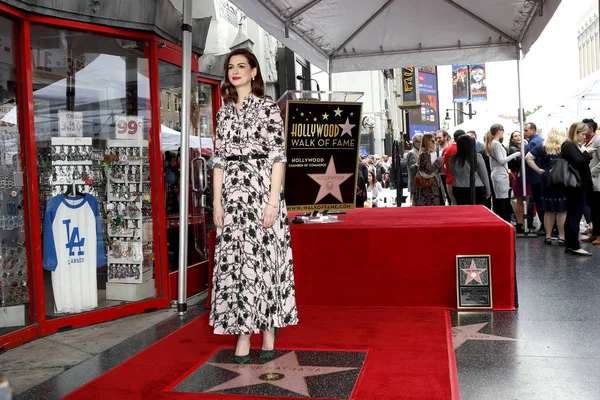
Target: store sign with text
[[410, 87], [70, 123], [129, 127], [322, 144]]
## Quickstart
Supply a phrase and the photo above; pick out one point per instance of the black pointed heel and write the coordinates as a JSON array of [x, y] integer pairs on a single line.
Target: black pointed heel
[[241, 359], [268, 354]]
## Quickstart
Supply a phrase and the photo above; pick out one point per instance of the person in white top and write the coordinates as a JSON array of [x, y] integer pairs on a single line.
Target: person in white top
[[499, 168]]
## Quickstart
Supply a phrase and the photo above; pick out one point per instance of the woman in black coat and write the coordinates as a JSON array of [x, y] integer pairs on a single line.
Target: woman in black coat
[[361, 184], [576, 197]]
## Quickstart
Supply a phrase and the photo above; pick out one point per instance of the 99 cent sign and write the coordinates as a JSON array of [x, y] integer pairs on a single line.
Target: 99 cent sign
[[129, 127]]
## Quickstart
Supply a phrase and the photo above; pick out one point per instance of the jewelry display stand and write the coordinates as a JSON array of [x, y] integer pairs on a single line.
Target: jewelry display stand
[[71, 165], [130, 278], [14, 293]]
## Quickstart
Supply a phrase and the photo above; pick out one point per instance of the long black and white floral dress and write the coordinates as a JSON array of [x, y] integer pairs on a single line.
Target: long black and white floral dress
[[253, 277]]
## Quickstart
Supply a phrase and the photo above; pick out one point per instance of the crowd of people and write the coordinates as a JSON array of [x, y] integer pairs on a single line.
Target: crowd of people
[[439, 173], [374, 175]]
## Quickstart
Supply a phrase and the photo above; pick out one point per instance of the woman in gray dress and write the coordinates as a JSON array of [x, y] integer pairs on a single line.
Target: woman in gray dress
[[499, 167], [253, 278]]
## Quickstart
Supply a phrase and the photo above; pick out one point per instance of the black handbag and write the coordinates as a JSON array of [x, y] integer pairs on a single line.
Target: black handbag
[[564, 176]]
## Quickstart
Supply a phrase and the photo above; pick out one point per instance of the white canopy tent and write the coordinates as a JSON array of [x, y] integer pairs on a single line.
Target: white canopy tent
[[584, 104], [355, 35]]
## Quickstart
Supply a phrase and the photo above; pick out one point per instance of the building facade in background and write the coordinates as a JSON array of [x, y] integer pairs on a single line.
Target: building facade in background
[[588, 40]]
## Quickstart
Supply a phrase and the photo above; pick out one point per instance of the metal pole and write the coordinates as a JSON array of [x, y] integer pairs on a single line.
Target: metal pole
[[474, 155], [521, 123], [329, 69], [186, 79]]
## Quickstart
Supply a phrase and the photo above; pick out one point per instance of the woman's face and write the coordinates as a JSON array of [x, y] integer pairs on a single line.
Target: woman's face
[[581, 136], [370, 179], [239, 71], [516, 138], [431, 146]]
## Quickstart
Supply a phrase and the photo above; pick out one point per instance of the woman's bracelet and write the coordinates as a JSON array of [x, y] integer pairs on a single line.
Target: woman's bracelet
[[269, 204]]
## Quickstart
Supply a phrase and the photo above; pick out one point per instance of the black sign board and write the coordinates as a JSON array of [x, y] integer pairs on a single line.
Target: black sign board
[[322, 143], [474, 281]]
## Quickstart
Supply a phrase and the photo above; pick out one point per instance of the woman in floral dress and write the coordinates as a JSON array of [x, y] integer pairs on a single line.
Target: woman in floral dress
[[253, 279]]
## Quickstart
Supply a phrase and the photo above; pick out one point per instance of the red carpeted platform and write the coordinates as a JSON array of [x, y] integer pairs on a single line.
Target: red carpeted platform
[[400, 257], [409, 355]]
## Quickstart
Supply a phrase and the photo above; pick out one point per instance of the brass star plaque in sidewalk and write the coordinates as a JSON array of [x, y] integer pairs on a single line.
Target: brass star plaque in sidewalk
[[294, 374]]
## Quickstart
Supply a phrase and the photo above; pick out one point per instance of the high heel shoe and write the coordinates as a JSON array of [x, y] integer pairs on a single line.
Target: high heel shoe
[[241, 359], [268, 354]]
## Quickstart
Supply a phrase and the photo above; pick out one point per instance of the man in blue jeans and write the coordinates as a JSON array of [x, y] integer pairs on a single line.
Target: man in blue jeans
[[534, 180]]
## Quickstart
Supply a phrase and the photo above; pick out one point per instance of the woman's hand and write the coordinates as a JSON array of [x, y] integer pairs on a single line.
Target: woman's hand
[[541, 171], [518, 154], [591, 150], [269, 215], [218, 214]]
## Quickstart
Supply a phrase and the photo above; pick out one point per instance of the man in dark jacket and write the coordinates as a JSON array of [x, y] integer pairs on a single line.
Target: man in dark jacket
[[534, 180]]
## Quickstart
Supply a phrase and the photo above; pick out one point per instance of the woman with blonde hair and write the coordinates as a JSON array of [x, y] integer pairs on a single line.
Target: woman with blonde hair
[[498, 165], [429, 170], [580, 161], [541, 159]]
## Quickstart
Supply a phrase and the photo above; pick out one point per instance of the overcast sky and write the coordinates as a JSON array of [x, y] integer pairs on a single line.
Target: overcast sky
[[550, 71]]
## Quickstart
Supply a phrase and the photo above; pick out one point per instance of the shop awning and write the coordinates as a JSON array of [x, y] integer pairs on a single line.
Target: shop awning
[[355, 35], [156, 16]]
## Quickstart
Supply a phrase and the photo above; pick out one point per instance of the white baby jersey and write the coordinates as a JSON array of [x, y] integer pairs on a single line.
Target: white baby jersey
[[73, 250]]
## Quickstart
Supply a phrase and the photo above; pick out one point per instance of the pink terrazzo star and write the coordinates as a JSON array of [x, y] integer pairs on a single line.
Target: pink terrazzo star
[[283, 372], [473, 273], [330, 182]]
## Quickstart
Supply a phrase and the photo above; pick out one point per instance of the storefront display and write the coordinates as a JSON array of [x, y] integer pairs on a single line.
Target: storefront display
[[15, 293], [73, 250], [92, 124], [130, 257], [88, 195]]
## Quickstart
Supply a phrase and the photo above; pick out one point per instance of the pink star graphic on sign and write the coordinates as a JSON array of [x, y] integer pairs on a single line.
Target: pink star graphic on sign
[[284, 372], [330, 182], [461, 334], [347, 128], [473, 273]]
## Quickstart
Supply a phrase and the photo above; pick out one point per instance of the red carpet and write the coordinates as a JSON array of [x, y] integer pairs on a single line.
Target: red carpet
[[409, 355]]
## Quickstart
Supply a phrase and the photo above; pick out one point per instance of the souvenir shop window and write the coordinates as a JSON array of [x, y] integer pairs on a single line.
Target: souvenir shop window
[[170, 87], [15, 294], [92, 117]]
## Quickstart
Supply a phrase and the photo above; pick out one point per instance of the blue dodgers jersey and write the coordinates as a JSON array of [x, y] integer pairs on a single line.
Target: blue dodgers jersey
[[73, 233]]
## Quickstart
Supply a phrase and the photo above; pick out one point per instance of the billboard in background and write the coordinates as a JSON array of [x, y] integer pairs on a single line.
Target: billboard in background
[[478, 82], [460, 88], [459, 84], [426, 118], [410, 88]]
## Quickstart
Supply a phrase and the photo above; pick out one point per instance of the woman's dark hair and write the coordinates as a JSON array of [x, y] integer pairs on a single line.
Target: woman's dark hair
[[591, 123], [372, 174], [511, 142], [228, 91], [465, 146]]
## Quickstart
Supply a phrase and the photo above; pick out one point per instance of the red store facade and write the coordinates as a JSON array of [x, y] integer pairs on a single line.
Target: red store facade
[[89, 154]]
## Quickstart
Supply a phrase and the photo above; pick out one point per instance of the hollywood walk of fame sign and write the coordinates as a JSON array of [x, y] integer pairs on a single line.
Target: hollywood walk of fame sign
[[322, 144], [474, 281]]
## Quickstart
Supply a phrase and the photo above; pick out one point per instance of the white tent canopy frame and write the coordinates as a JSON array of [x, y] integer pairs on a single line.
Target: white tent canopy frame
[[358, 35], [354, 35]]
